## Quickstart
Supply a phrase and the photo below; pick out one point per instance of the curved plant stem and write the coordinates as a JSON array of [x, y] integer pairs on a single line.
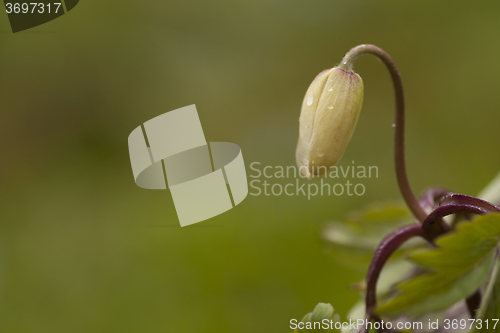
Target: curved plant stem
[[455, 198], [388, 246], [399, 147], [446, 210]]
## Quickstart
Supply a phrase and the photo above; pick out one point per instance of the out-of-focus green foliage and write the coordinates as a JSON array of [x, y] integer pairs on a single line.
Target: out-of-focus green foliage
[[353, 242], [83, 249], [489, 310], [491, 192]]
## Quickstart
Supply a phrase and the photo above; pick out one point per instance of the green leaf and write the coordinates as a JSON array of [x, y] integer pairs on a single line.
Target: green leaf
[[313, 321], [353, 242], [460, 264]]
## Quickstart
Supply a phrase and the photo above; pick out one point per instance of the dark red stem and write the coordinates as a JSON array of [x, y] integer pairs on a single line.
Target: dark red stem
[[384, 251], [462, 199], [399, 121]]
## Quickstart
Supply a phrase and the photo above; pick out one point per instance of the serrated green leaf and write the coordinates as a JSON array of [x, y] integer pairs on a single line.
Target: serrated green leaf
[[460, 264]]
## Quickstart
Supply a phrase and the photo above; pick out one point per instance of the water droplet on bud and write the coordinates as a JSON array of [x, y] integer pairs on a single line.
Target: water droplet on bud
[[310, 100]]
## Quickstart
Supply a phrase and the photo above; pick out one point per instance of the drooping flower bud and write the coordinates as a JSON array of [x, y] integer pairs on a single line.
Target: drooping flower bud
[[329, 114]]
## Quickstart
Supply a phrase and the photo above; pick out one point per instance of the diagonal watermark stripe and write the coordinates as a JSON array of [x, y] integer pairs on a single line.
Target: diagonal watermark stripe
[[205, 179]]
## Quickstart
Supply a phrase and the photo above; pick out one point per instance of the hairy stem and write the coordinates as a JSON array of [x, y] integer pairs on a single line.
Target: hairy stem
[[399, 146]]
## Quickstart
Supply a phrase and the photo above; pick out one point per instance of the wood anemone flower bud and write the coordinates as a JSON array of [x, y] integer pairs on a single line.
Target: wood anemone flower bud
[[329, 114]]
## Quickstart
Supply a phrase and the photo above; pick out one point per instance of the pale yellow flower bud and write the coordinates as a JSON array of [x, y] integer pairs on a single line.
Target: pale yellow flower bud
[[329, 115]]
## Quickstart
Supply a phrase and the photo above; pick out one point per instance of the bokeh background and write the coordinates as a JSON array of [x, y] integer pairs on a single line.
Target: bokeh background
[[83, 249]]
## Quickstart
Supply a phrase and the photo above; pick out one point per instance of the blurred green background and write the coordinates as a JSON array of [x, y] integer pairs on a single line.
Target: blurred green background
[[83, 249]]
